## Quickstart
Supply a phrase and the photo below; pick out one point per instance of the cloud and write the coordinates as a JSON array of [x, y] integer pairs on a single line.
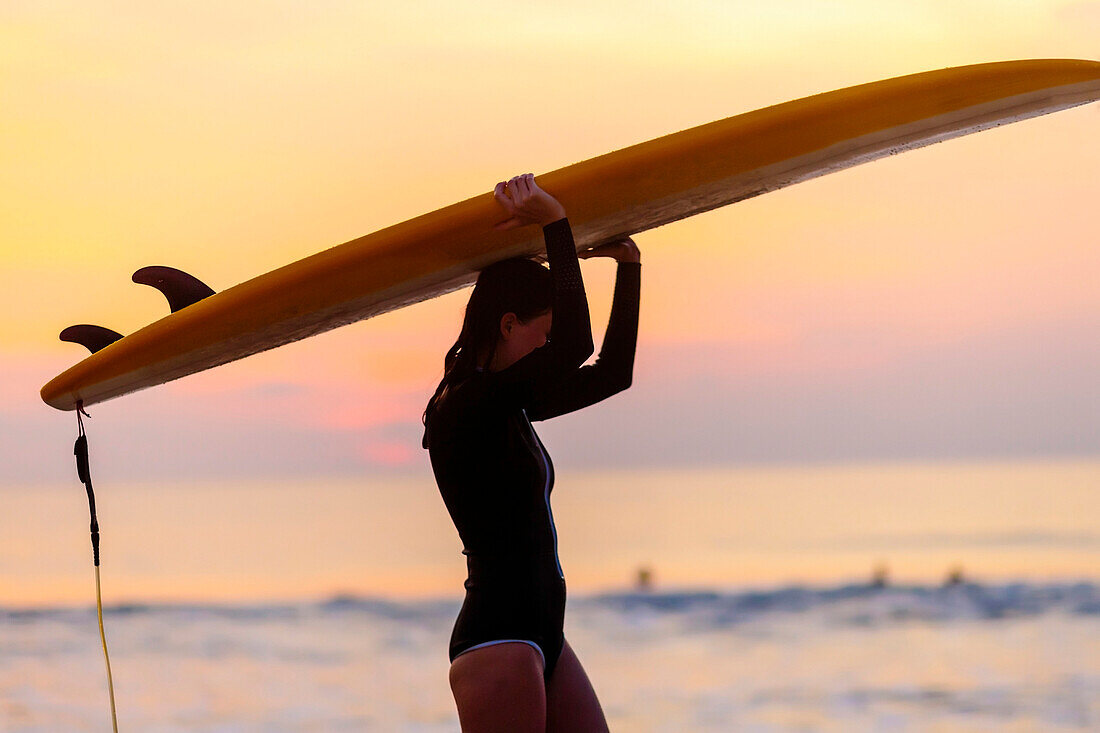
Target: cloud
[[849, 394], [999, 394], [390, 453]]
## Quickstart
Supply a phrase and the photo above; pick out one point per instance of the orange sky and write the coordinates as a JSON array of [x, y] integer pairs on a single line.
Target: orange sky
[[228, 142]]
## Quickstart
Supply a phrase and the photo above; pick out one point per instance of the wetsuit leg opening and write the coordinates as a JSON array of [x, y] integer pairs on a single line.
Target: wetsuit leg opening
[[536, 647]]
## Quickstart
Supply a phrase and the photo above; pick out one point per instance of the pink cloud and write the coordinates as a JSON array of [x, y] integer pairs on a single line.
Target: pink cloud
[[370, 410], [390, 453]]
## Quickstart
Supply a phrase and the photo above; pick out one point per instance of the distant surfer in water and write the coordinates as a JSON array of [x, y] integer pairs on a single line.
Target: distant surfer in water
[[525, 335]]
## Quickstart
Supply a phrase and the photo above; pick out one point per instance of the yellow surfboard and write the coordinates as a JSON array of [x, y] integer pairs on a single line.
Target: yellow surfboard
[[620, 193]]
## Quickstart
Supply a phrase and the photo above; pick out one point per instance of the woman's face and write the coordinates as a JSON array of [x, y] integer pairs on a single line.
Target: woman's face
[[518, 339], [536, 332]]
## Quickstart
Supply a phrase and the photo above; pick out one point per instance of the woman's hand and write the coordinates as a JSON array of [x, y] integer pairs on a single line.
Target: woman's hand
[[526, 203], [622, 249]]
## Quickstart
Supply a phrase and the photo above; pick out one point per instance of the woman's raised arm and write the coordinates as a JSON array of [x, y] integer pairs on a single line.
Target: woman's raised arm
[[614, 368], [570, 341]]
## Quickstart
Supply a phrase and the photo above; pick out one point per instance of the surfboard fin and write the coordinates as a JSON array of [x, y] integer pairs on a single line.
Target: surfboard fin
[[178, 287], [90, 337]]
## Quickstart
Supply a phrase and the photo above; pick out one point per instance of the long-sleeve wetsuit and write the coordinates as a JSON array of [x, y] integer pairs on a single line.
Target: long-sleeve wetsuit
[[494, 473]]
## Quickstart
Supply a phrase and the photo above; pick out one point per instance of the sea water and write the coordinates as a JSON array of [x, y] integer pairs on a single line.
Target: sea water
[[970, 657], [920, 597]]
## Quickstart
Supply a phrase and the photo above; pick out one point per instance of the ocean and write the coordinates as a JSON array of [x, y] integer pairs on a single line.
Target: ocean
[[918, 597], [970, 657]]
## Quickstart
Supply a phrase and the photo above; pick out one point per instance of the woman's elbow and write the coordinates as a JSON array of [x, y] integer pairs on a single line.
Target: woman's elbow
[[583, 351], [624, 381], [589, 350]]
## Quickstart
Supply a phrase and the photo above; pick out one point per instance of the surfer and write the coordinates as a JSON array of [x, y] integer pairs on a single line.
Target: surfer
[[518, 357]]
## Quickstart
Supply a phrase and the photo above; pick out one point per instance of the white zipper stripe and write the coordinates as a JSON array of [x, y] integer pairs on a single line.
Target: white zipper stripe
[[546, 491]]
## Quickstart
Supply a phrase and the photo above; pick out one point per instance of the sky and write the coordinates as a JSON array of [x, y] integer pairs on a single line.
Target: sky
[[935, 305]]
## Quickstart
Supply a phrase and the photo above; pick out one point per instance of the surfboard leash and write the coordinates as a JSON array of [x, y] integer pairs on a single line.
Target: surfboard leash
[[85, 475]]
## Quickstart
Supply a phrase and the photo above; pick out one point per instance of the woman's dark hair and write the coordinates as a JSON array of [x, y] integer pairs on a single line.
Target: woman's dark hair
[[518, 285]]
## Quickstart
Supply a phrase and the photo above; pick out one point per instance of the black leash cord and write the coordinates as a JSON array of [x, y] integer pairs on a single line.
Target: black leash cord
[[85, 475]]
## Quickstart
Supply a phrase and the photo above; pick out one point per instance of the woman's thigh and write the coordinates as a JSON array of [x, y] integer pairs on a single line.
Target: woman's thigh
[[571, 703], [499, 688]]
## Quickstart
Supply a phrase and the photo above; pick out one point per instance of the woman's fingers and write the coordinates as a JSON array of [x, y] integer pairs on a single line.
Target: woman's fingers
[[526, 185], [500, 193], [524, 201], [520, 189], [601, 250], [618, 249]]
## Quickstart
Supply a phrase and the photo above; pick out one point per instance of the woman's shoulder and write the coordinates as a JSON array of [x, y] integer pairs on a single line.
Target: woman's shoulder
[[469, 395]]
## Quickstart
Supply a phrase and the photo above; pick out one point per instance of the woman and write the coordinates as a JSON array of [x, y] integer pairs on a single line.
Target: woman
[[524, 337]]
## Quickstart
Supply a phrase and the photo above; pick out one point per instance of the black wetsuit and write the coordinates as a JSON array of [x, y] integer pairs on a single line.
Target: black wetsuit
[[494, 473]]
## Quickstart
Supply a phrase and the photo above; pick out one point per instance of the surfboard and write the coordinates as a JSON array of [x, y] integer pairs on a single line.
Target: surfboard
[[621, 193]]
